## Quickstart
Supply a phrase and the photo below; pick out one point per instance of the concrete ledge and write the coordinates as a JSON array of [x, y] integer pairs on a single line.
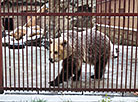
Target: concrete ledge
[[64, 98]]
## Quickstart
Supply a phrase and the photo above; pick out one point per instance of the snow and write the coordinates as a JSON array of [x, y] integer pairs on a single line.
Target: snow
[[15, 71]]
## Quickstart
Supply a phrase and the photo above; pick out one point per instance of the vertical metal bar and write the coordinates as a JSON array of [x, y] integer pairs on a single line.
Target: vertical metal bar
[[109, 42], [18, 47], [9, 52], [52, 27], [67, 76], [45, 51], [127, 46], [72, 46], [54, 23], [34, 24], [31, 51], [86, 44], [14, 54], [49, 38], [99, 59], [40, 50], [77, 49], [68, 45], [63, 49], [113, 46], [123, 47], [131, 71], [118, 46], [86, 56], [91, 17], [95, 37], [81, 46], [5, 59], [58, 43], [27, 49], [105, 28], [22, 53], [1, 59], [36, 41], [135, 78]]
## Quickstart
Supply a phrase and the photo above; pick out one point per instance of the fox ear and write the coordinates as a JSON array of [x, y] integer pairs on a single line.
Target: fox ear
[[64, 43]]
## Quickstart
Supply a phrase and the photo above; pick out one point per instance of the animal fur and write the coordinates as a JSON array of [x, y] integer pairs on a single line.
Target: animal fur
[[89, 46]]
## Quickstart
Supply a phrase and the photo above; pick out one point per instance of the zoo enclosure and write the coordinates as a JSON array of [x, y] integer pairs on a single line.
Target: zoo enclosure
[[26, 66]]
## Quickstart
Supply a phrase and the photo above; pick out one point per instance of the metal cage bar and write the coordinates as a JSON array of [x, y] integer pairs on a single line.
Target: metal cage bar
[[1, 62]]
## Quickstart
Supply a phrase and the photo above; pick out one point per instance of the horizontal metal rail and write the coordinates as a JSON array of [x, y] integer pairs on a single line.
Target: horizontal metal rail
[[68, 14], [72, 89]]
